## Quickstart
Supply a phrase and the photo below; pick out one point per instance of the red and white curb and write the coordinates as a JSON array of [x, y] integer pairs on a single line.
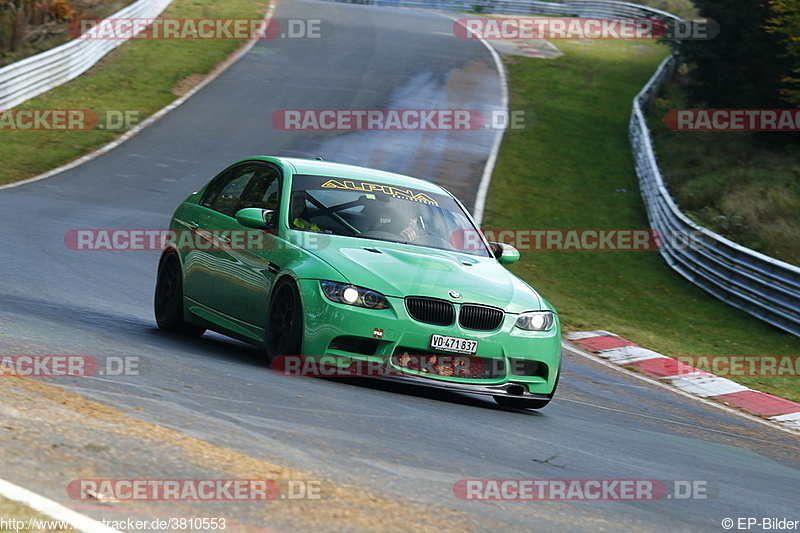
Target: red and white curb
[[689, 379]]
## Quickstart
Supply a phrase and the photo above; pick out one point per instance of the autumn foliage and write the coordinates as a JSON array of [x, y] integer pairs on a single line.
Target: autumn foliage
[[754, 62], [22, 20]]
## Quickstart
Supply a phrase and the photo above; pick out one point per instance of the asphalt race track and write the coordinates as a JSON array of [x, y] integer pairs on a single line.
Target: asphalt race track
[[401, 441]]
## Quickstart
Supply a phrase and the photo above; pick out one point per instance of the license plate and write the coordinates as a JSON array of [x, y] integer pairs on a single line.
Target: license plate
[[454, 344]]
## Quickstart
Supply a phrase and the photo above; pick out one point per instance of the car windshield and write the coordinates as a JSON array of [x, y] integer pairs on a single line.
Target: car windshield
[[373, 210]]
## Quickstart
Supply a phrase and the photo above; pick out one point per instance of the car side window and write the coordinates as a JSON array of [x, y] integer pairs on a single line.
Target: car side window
[[224, 194], [263, 191]]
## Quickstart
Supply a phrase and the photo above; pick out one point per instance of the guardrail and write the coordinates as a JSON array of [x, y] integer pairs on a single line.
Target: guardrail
[[569, 8], [37, 74], [763, 286]]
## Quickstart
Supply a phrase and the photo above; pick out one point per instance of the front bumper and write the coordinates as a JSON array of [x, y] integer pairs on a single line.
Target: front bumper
[[523, 363], [512, 390]]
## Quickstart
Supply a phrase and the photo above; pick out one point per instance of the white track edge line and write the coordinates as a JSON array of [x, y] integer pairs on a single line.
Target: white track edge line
[[488, 169], [54, 510]]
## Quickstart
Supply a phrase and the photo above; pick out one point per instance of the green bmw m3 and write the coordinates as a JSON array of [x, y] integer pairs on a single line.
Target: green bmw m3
[[312, 259]]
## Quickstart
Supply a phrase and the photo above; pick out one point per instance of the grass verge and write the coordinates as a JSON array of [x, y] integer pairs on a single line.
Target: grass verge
[[574, 170], [13, 513], [743, 185], [141, 76]]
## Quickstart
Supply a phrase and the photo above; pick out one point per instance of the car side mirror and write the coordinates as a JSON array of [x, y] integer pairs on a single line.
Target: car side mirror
[[504, 253], [256, 218]]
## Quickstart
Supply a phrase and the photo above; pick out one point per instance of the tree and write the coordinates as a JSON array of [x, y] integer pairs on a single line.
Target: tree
[[785, 22], [745, 66]]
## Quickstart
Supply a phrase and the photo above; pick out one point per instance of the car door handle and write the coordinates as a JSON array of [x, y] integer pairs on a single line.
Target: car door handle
[[192, 225]]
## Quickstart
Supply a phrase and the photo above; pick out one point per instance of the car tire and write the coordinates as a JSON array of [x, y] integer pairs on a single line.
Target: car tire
[[284, 334], [168, 300]]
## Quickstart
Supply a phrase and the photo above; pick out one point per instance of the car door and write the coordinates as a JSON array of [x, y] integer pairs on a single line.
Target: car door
[[204, 261], [246, 269]]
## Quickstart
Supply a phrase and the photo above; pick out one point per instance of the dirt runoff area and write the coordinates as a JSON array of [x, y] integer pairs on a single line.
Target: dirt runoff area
[[61, 446]]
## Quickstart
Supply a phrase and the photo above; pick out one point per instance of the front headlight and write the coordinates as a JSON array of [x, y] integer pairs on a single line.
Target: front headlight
[[345, 293], [536, 321]]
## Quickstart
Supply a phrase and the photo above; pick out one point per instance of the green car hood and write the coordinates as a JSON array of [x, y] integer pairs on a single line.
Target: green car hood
[[403, 270]]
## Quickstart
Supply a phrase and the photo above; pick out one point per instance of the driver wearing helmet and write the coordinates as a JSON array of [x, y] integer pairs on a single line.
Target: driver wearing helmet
[[399, 221], [298, 212]]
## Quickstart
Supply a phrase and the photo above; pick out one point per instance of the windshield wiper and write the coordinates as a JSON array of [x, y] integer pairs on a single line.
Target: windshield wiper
[[383, 240]]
